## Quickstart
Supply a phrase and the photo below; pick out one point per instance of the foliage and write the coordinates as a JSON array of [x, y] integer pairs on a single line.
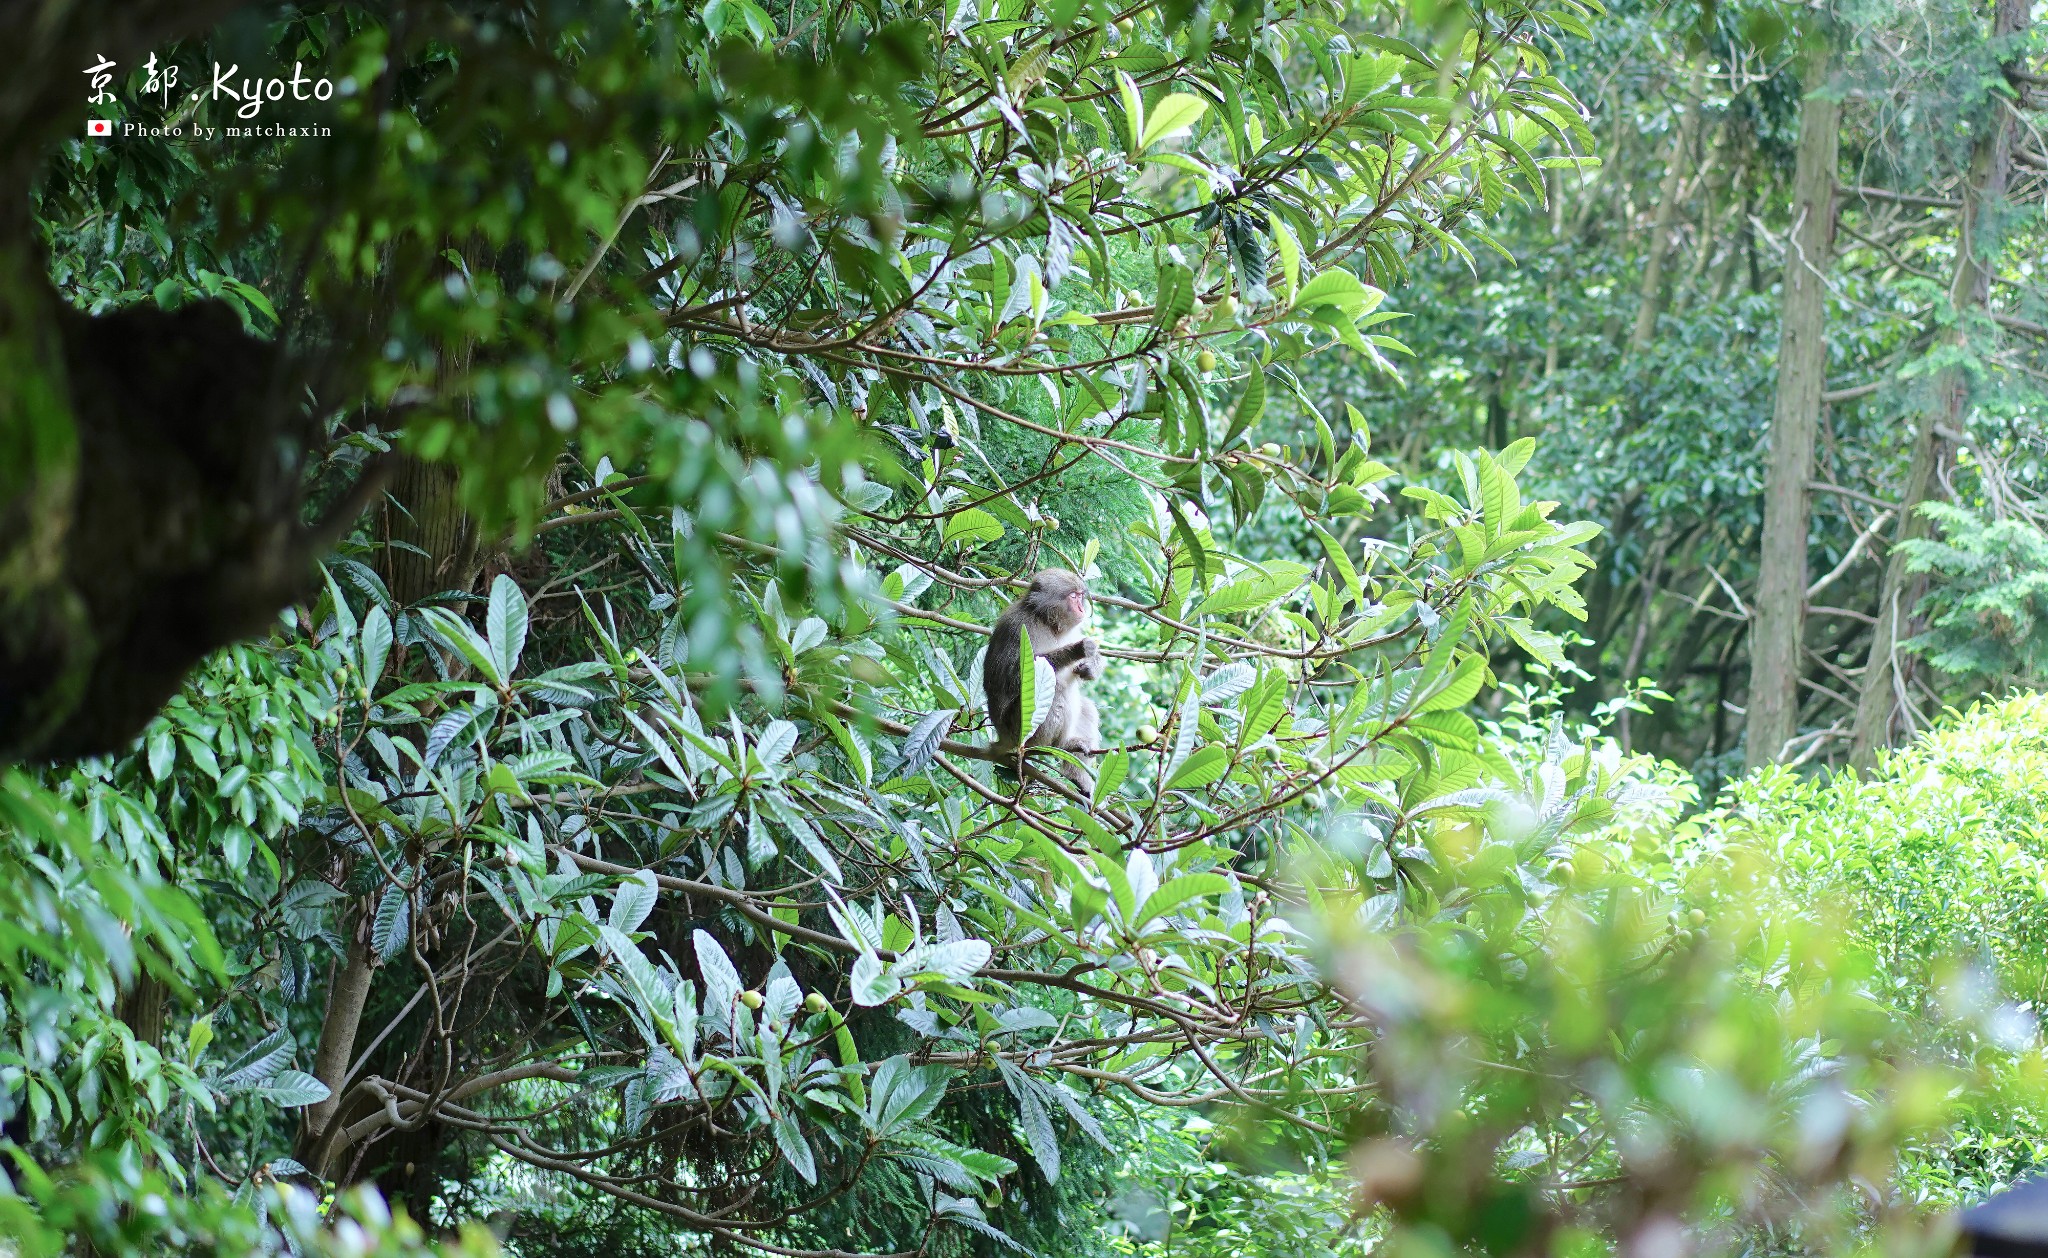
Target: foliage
[[1935, 860], [1984, 613]]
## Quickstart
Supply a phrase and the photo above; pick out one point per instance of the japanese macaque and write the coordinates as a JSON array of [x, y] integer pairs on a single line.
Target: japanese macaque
[[1053, 611]]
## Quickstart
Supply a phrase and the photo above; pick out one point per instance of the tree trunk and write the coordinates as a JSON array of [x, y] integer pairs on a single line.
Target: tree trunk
[[345, 1001], [145, 1007], [1668, 196], [437, 545], [1878, 704], [1774, 654], [436, 549], [1554, 184], [146, 516]]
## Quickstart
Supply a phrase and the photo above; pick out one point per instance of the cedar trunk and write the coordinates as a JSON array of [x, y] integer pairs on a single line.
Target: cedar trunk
[[1650, 299], [1795, 419], [1880, 706]]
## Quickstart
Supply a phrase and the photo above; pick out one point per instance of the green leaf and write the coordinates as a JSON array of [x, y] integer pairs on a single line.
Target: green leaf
[[505, 623], [1175, 892], [1174, 299], [293, 1088], [1460, 687], [1134, 110], [1250, 405], [1041, 690], [870, 983], [633, 901], [921, 744], [1545, 646], [1206, 765], [971, 527], [391, 930], [260, 1061], [1263, 706], [375, 644], [1171, 116], [1110, 774], [465, 641], [163, 753], [789, 1138], [1341, 289], [1254, 592]]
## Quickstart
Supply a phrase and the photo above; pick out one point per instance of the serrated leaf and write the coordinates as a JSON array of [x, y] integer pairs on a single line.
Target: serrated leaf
[[163, 754], [1228, 682], [1460, 687], [260, 1060], [721, 981], [921, 744], [775, 742], [293, 1088], [956, 960], [456, 633], [871, 984], [795, 1149], [971, 526], [391, 929], [633, 901]]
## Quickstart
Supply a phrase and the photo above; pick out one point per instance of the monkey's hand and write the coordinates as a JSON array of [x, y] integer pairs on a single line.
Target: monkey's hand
[[1089, 666]]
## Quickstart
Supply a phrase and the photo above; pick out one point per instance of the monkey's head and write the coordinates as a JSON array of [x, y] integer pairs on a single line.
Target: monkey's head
[[1058, 597]]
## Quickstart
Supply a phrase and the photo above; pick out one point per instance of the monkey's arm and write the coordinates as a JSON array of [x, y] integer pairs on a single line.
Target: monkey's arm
[[1084, 657]]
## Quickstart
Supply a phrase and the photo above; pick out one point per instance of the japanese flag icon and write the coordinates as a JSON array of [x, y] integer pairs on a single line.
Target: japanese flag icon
[[102, 128]]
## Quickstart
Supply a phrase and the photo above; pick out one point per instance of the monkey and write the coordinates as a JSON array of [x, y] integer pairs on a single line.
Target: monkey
[[1053, 612]]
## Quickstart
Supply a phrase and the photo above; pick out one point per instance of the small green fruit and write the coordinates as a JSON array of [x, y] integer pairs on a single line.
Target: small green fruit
[[1697, 917], [1125, 26], [815, 1002], [1205, 361], [1562, 871], [751, 999], [1271, 450], [1227, 307], [1148, 734]]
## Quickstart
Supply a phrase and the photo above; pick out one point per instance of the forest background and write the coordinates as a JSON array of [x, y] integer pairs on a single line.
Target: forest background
[[495, 594]]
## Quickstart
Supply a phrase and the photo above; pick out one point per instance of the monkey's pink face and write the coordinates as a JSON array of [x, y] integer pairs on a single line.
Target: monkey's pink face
[[1077, 603]]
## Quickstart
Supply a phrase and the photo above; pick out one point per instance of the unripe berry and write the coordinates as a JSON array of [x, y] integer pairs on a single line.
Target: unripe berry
[[815, 1002], [1148, 734], [1205, 362], [751, 999], [1271, 449]]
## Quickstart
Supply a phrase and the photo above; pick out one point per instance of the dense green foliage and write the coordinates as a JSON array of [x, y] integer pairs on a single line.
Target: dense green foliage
[[607, 855]]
